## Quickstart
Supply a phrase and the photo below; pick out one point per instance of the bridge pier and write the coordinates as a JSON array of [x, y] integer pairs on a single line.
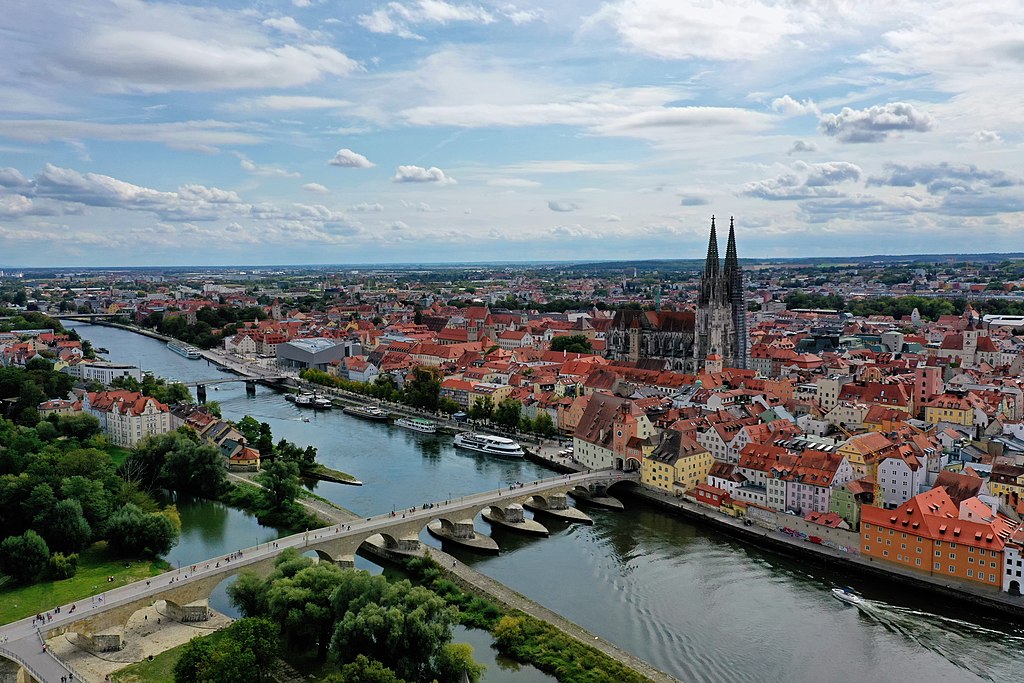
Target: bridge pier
[[250, 387], [201, 393]]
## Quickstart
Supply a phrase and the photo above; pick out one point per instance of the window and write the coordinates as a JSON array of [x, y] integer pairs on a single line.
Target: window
[[918, 562], [867, 548], [918, 551], [970, 572], [952, 569], [938, 565], [938, 553], [952, 556], [885, 553], [903, 546]]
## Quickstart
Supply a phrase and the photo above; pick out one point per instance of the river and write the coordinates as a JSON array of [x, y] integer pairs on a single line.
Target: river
[[698, 605]]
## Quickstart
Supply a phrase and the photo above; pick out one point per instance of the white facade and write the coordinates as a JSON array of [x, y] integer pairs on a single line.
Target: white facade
[[1014, 567], [105, 373], [591, 455], [900, 482]]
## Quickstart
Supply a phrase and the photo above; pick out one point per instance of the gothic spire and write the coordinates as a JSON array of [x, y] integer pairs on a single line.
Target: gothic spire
[[711, 263], [732, 263]]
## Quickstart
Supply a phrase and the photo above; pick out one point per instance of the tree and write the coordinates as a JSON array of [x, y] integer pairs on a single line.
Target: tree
[[248, 593], [301, 604], [407, 627], [544, 425], [192, 662], [364, 670], [64, 527], [250, 428], [448, 406], [61, 566], [423, 389], [92, 496], [574, 343], [507, 413], [454, 659], [194, 469], [133, 532], [280, 481], [482, 409], [261, 637], [213, 408], [23, 557]]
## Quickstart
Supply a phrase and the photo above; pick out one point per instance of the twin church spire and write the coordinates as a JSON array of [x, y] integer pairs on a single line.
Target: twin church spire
[[722, 307]]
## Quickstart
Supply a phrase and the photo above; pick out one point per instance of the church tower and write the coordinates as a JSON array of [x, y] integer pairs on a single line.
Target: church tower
[[738, 299], [720, 329], [713, 324]]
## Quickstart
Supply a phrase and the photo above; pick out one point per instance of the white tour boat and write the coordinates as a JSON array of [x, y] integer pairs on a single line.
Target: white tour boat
[[417, 424], [486, 443], [304, 399], [183, 349]]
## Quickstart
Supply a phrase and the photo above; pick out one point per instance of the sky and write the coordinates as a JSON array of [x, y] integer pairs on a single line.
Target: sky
[[359, 131]]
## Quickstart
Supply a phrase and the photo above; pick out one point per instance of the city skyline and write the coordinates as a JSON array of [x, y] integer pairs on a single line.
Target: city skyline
[[145, 133]]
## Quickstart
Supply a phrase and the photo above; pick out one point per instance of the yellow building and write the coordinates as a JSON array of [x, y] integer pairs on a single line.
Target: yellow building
[[864, 449], [1007, 482], [677, 464], [949, 408]]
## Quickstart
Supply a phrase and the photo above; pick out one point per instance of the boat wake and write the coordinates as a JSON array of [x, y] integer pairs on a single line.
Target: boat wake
[[956, 640]]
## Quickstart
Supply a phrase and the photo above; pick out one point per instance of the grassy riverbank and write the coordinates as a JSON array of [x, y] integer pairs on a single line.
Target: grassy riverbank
[[95, 564], [160, 669], [523, 637], [324, 473]]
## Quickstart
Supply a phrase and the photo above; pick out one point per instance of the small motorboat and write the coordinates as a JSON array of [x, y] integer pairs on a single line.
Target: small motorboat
[[305, 419], [847, 595]]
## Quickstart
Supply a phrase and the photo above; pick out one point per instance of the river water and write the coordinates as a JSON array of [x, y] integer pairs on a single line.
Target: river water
[[698, 605]]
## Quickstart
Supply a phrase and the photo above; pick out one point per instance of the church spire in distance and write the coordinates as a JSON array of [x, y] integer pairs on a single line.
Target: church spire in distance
[[732, 262], [711, 263]]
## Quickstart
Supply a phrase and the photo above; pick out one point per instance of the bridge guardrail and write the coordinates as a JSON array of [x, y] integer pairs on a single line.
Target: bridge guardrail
[[14, 657]]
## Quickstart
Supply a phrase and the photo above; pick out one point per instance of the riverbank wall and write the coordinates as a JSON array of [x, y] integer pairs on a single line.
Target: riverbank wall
[[866, 567], [765, 532]]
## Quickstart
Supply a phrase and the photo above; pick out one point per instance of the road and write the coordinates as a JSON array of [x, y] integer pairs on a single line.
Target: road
[[22, 641]]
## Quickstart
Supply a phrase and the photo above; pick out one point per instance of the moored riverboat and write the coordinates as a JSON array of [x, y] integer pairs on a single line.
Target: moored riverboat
[[183, 349], [417, 424], [489, 444], [372, 413]]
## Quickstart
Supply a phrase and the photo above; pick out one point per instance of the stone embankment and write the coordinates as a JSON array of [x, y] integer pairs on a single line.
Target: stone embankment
[[777, 541]]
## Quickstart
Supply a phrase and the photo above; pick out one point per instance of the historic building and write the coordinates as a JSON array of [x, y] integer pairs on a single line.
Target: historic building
[[685, 340]]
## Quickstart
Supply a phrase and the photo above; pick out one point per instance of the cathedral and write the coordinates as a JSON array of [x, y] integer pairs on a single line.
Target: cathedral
[[713, 337]]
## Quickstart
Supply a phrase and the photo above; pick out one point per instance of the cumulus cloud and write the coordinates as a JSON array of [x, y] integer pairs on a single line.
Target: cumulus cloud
[[418, 174], [804, 181], [944, 177], [722, 30], [289, 103], [562, 206], [692, 200], [874, 124], [349, 159], [788, 106], [11, 178], [249, 166], [154, 47], [397, 17], [423, 207], [285, 25], [985, 137], [316, 188], [189, 202], [801, 147], [366, 207]]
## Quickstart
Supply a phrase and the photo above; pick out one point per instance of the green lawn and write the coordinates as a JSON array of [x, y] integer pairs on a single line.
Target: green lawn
[[160, 669], [94, 566], [117, 454]]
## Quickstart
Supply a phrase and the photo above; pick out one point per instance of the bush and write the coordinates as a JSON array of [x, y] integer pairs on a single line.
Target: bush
[[61, 566], [23, 557]]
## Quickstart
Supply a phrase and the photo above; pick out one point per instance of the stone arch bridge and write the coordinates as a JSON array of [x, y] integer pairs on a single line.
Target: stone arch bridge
[[101, 621]]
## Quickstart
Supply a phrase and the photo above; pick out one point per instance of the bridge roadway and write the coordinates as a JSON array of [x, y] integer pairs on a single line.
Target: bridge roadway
[[20, 641]]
